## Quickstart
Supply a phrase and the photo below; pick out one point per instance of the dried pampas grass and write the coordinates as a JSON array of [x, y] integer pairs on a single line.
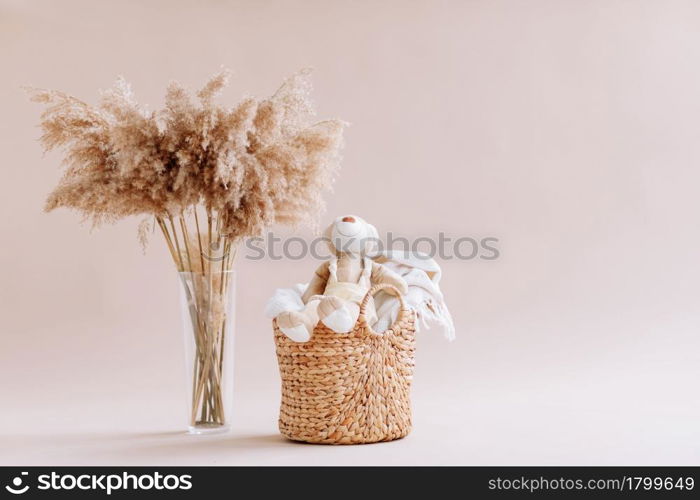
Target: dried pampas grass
[[258, 163]]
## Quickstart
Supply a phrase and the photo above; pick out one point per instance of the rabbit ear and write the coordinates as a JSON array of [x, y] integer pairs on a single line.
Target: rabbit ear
[[373, 233], [372, 236], [328, 232], [328, 238]]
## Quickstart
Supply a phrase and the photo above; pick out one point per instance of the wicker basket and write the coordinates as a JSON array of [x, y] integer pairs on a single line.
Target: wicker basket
[[348, 388]]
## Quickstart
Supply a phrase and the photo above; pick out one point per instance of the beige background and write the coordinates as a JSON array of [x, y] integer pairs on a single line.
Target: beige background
[[567, 129]]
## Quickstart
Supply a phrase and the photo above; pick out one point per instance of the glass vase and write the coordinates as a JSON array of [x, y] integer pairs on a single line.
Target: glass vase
[[207, 303]]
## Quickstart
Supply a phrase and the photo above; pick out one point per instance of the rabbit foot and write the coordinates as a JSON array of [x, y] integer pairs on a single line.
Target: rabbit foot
[[294, 326], [335, 315]]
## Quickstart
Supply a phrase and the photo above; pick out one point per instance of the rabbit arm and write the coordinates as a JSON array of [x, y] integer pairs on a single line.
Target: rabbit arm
[[382, 274], [317, 285]]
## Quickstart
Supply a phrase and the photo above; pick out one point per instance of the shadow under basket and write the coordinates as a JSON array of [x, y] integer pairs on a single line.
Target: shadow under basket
[[348, 388]]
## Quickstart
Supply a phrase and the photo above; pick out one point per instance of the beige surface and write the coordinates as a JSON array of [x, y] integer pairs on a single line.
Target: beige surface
[[569, 130]]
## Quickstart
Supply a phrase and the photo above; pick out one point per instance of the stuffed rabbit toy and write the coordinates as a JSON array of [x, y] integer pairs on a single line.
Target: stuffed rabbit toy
[[337, 288]]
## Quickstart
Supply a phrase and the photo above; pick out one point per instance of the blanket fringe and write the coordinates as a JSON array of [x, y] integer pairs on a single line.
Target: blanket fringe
[[431, 311]]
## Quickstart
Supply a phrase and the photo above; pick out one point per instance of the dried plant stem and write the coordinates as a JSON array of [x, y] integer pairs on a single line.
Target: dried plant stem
[[229, 257], [174, 251], [177, 246], [199, 239], [206, 288], [168, 239], [186, 237]]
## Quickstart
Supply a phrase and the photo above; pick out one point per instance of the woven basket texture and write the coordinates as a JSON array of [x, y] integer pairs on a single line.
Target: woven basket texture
[[348, 388]]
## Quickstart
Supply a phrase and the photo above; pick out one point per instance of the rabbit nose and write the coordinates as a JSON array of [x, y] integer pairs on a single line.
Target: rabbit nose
[[348, 219]]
